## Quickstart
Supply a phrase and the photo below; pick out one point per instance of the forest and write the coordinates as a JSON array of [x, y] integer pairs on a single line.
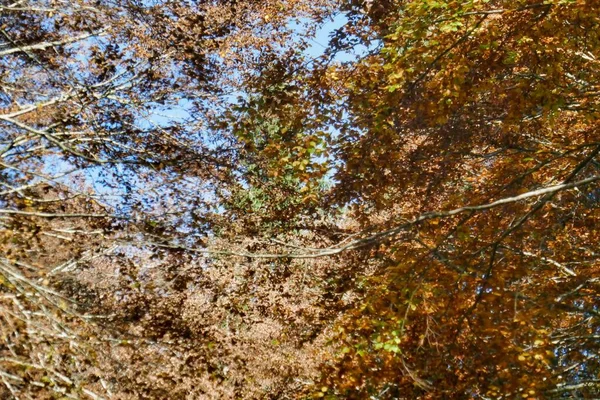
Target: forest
[[299, 199]]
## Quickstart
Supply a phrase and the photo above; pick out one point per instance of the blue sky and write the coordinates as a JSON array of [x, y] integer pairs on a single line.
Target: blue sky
[[180, 112]]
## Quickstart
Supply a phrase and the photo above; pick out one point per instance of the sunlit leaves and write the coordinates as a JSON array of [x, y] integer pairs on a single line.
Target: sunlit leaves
[[414, 107], [463, 102]]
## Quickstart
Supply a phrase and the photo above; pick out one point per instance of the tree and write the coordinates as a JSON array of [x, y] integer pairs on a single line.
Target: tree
[[194, 205], [90, 166], [457, 106]]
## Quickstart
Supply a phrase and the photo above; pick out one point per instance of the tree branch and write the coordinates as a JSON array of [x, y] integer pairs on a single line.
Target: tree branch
[[380, 236]]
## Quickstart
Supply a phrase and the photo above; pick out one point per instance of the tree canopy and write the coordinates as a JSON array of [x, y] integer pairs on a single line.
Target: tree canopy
[[196, 201]]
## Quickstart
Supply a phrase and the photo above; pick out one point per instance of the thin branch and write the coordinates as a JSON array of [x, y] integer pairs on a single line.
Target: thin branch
[[58, 215], [548, 260], [45, 45], [586, 384], [380, 236]]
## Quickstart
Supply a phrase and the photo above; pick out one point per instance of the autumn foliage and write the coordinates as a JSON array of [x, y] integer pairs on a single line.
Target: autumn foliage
[[196, 202]]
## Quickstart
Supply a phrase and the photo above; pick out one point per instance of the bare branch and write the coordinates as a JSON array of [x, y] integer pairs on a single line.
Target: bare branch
[[380, 236], [45, 45]]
